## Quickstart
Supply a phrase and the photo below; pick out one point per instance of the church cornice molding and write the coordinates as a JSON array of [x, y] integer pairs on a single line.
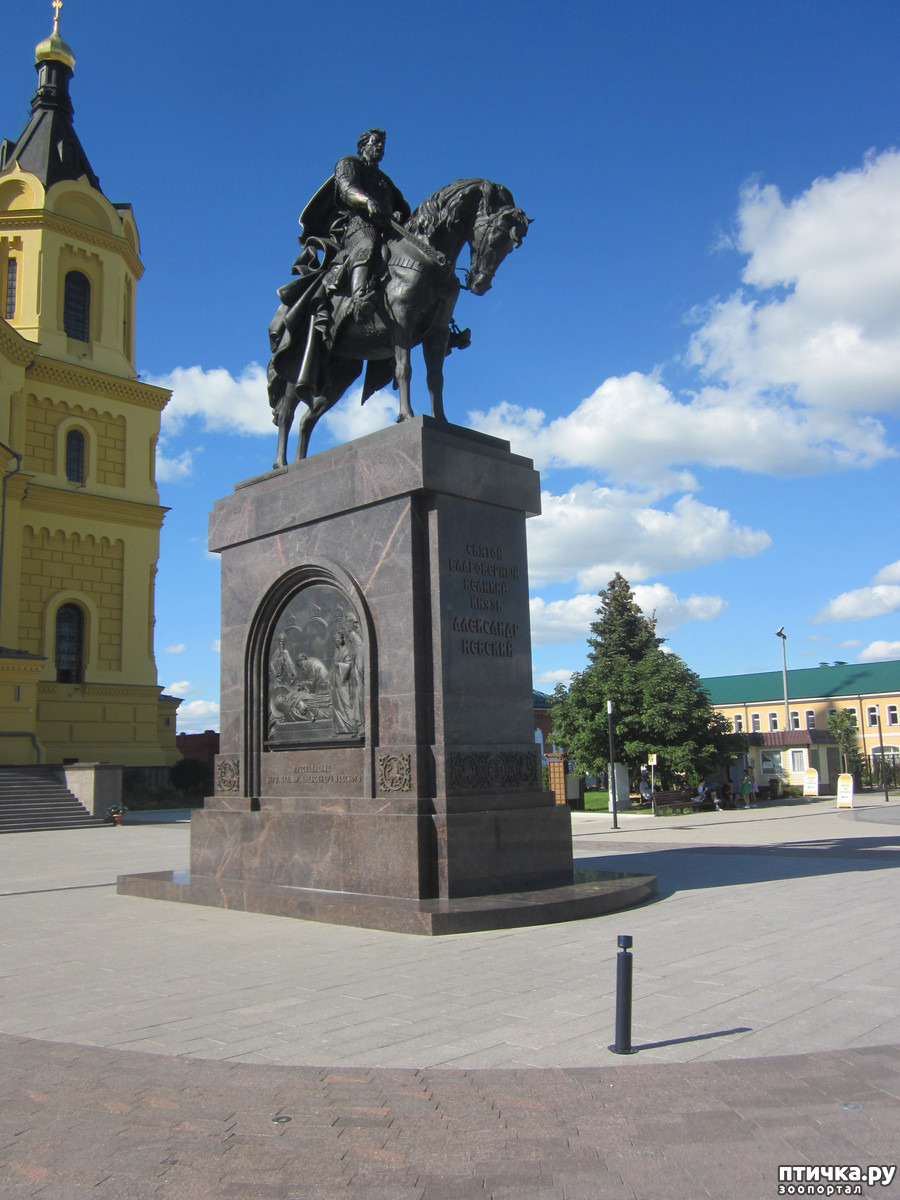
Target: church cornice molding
[[97, 383], [141, 692], [87, 506], [41, 219], [16, 348]]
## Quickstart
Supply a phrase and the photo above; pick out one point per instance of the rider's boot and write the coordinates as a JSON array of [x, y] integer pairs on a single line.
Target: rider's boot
[[362, 292]]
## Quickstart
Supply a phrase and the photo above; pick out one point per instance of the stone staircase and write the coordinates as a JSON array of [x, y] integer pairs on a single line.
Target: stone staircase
[[34, 798]]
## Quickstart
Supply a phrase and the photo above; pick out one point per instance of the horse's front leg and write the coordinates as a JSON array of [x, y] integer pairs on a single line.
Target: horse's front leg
[[305, 427], [402, 375], [434, 350], [281, 448], [314, 407], [284, 416]]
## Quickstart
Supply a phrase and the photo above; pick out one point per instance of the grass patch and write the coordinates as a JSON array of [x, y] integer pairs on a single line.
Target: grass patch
[[596, 801]]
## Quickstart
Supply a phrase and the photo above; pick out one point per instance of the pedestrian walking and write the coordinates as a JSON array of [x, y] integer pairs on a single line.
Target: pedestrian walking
[[747, 788]]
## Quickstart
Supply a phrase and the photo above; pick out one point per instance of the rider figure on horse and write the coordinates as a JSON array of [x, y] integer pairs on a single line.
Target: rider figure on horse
[[360, 212]]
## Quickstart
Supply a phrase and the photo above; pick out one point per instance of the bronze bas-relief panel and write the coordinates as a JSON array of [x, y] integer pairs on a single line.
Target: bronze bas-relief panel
[[315, 686]]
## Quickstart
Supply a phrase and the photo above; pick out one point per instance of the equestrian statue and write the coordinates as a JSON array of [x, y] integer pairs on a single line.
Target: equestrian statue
[[373, 280]]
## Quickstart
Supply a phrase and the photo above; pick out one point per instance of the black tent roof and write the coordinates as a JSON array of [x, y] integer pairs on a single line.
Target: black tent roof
[[48, 147]]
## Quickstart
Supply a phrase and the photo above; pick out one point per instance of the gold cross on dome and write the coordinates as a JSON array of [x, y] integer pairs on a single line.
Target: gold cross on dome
[[57, 4]]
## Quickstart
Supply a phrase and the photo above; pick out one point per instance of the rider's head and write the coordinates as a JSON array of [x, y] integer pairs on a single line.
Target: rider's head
[[373, 137]]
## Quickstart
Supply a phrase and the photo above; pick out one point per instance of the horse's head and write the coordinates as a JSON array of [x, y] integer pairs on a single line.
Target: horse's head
[[494, 235]]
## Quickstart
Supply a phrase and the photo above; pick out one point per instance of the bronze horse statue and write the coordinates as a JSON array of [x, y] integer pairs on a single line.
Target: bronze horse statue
[[319, 345]]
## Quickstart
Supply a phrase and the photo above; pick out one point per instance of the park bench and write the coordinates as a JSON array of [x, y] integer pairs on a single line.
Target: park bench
[[682, 801]]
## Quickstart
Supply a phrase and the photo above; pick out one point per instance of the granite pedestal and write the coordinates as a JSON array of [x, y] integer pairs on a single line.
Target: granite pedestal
[[377, 733]]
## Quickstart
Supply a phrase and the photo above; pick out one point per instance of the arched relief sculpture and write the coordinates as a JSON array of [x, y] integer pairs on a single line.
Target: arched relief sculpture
[[316, 671]]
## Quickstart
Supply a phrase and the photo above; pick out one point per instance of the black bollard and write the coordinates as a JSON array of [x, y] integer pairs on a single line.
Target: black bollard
[[624, 966]]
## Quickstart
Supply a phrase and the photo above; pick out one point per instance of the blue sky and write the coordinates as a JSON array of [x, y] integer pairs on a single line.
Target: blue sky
[[698, 343]]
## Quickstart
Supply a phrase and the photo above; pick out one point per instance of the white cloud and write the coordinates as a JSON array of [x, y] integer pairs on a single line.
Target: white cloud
[[672, 612], [634, 430], [197, 715], [177, 649], [170, 470], [797, 364], [878, 600], [861, 603], [888, 574], [821, 311], [349, 419], [220, 401], [562, 620], [182, 687], [880, 651], [240, 405], [570, 620], [591, 532], [547, 680], [216, 646]]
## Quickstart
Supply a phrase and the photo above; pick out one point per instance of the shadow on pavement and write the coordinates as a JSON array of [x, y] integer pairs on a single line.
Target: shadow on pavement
[[692, 868], [698, 1037], [157, 816]]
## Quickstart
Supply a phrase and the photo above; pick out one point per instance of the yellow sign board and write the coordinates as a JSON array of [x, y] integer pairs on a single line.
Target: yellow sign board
[[845, 791]]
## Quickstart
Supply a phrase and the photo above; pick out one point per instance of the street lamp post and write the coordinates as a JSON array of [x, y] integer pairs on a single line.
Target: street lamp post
[[883, 759], [787, 712]]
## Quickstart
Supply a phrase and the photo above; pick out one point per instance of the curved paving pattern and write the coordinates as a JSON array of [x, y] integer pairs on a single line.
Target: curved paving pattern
[[766, 1009]]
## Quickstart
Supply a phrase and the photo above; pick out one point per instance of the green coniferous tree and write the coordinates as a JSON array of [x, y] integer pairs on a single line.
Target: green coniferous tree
[[659, 706]]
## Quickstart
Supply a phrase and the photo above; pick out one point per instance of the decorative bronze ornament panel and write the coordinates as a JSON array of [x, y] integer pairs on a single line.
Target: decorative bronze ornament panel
[[482, 770], [228, 775], [395, 773]]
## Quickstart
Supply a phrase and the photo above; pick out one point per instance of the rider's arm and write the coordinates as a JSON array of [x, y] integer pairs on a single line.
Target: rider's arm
[[401, 208], [349, 193]]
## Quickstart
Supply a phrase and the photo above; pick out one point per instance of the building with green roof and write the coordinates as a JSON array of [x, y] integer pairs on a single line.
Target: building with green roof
[[789, 735]]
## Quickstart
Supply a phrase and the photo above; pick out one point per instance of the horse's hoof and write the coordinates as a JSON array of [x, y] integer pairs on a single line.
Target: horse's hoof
[[404, 417]]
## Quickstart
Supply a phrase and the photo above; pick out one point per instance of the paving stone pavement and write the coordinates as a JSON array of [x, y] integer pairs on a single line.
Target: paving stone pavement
[[155, 1050]]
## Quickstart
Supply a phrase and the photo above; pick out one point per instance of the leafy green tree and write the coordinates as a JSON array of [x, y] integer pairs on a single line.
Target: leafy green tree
[[659, 706], [843, 728]]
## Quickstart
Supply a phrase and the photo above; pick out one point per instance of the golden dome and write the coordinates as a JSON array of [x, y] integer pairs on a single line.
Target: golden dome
[[53, 47]]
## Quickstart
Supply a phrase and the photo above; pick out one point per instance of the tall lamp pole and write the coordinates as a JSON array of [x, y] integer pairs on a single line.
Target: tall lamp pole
[[787, 712], [883, 760], [612, 765]]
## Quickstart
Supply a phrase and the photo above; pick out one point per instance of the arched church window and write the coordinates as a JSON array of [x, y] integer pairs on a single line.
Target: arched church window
[[69, 653], [75, 456], [77, 306], [12, 271]]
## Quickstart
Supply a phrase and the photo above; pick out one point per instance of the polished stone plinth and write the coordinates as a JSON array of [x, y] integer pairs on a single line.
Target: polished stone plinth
[[590, 894], [378, 762]]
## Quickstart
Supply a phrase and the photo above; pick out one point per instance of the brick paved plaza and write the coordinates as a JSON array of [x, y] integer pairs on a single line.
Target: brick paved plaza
[[163, 1050]]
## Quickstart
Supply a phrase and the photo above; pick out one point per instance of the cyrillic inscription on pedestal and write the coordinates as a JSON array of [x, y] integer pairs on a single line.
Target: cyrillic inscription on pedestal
[[317, 772]]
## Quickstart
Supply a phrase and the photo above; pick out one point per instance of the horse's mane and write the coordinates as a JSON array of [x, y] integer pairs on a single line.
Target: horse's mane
[[444, 206]]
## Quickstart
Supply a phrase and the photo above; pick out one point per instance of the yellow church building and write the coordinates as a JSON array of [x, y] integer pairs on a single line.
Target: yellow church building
[[80, 521]]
